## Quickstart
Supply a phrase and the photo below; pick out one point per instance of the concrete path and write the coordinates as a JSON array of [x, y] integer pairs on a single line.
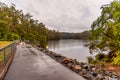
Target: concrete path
[[32, 64]]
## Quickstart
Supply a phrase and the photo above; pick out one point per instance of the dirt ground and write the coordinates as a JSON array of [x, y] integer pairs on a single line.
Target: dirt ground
[[111, 67]]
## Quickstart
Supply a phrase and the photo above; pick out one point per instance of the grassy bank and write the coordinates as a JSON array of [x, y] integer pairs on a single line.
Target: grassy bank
[[4, 43]]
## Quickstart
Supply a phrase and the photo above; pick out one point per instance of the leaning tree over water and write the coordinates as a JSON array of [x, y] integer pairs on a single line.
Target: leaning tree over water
[[106, 31]]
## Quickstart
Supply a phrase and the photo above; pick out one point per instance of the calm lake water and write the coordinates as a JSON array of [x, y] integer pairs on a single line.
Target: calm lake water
[[74, 49]]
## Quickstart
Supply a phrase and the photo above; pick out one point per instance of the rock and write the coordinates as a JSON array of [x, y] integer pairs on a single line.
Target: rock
[[89, 71], [81, 63], [94, 74], [81, 73], [106, 77], [69, 65], [58, 56], [100, 76], [86, 66], [66, 60], [60, 59], [84, 71], [46, 51], [76, 68], [109, 74], [52, 53], [112, 78], [88, 76], [93, 69], [75, 62], [42, 49], [29, 46]]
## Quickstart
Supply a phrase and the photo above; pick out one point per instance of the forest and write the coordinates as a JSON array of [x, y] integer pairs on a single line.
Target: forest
[[15, 25], [81, 35]]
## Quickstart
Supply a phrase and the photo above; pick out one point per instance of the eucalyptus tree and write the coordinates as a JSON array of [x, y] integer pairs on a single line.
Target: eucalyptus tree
[[14, 24], [106, 31]]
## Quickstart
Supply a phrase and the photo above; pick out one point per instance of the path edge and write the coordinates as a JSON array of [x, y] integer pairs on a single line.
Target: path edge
[[5, 70]]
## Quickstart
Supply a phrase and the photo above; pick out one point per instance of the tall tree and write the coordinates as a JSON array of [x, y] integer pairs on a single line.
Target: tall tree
[[106, 30], [14, 24]]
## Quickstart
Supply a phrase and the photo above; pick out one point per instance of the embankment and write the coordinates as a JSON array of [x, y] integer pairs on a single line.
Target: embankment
[[88, 71]]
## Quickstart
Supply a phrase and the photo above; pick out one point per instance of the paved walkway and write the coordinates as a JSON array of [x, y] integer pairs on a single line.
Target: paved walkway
[[32, 64]]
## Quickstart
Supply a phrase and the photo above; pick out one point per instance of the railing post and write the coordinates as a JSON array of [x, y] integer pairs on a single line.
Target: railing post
[[4, 58]]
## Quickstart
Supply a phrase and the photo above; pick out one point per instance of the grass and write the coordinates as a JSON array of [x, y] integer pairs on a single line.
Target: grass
[[1, 56], [91, 60], [4, 43], [7, 51]]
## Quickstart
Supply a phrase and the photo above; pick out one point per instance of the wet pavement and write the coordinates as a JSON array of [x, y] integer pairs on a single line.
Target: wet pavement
[[31, 64]]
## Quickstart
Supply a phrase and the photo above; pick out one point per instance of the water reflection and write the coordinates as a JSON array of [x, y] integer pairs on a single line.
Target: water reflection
[[53, 44], [71, 48]]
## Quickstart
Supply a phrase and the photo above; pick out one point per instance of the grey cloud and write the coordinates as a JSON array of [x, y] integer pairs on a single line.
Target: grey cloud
[[63, 15]]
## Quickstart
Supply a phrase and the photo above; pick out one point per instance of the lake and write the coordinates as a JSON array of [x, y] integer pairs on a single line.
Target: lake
[[71, 48]]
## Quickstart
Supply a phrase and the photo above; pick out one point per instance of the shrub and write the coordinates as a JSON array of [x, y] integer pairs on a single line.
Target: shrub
[[91, 60], [11, 36], [42, 41], [100, 57], [116, 60]]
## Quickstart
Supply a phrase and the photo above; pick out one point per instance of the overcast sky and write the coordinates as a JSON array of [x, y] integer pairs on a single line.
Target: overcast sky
[[62, 15]]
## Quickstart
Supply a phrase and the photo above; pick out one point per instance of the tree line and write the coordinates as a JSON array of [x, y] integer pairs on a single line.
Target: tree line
[[15, 25], [82, 35]]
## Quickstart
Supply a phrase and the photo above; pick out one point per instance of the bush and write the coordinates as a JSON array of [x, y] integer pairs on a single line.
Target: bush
[[116, 60], [100, 57], [42, 41], [11, 36], [91, 60]]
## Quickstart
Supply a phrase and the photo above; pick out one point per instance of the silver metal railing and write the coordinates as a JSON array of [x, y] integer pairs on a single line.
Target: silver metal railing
[[5, 54]]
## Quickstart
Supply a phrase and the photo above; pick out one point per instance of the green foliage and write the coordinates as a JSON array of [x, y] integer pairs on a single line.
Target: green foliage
[[53, 35], [100, 56], [116, 60], [3, 29], [42, 41], [14, 24], [106, 30], [11, 37], [1, 56], [91, 60], [83, 35]]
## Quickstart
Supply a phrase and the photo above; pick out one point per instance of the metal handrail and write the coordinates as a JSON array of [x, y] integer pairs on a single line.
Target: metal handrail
[[6, 46], [5, 54]]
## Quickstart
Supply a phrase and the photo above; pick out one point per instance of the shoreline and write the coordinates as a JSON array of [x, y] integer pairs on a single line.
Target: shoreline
[[86, 70]]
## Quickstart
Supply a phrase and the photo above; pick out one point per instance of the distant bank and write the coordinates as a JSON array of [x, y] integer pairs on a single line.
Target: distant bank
[[81, 35]]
